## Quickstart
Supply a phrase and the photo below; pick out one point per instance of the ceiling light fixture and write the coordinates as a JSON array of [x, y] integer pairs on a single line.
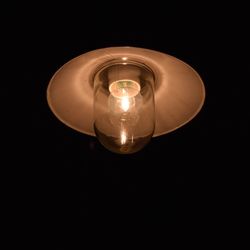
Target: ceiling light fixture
[[125, 95]]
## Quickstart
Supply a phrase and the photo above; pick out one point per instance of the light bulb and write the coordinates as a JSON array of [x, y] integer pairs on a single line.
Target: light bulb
[[124, 106], [125, 100]]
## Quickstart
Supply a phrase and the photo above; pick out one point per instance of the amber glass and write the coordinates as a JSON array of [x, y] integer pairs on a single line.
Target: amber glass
[[124, 115]]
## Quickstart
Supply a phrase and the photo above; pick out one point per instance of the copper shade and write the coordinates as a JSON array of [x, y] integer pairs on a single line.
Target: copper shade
[[179, 91]]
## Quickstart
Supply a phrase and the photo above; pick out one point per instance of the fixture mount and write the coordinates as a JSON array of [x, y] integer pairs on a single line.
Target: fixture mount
[[125, 95]]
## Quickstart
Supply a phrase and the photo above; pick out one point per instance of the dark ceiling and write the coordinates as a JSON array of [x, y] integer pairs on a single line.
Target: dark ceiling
[[175, 179]]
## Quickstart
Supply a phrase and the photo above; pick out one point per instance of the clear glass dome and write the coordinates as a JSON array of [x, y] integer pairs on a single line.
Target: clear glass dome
[[124, 111]]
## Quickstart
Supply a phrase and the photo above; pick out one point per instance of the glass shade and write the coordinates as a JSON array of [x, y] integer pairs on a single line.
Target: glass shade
[[124, 111]]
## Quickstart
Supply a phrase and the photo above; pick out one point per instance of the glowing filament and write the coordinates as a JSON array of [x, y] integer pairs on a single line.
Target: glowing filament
[[125, 103]]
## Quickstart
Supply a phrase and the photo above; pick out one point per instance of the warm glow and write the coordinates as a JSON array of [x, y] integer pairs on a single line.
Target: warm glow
[[124, 88], [123, 137], [124, 92], [125, 103]]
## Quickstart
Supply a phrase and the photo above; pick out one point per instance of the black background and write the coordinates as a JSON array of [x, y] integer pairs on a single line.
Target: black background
[[179, 179]]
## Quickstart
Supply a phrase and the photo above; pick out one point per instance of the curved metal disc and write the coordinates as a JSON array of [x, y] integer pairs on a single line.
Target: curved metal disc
[[179, 91]]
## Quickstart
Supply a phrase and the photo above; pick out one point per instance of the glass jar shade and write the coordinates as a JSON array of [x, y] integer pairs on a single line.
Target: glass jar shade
[[124, 111]]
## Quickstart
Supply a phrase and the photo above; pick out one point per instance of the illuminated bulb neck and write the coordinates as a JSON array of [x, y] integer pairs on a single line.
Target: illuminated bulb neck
[[123, 137]]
